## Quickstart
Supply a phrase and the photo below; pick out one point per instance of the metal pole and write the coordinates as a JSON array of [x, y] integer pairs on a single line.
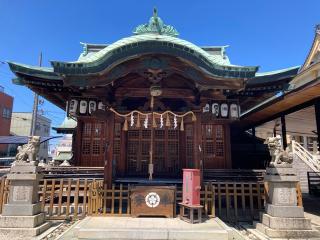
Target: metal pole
[[35, 106]]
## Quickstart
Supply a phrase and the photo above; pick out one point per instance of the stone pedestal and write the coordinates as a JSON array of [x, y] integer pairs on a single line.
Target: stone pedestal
[[21, 217], [283, 218]]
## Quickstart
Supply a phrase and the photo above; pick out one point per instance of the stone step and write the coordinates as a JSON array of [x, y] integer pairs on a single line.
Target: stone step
[[23, 233], [288, 234], [127, 228]]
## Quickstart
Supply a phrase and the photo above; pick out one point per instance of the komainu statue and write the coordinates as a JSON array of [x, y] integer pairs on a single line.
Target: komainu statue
[[28, 152], [278, 155]]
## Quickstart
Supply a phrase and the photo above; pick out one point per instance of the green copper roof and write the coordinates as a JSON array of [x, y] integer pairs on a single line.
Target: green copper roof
[[67, 124], [149, 43], [156, 26]]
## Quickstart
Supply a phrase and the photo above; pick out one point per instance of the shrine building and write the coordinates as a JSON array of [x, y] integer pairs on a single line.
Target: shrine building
[[151, 104]]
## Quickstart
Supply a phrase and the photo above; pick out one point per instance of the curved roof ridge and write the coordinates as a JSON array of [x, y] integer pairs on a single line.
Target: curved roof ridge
[[259, 74], [149, 36]]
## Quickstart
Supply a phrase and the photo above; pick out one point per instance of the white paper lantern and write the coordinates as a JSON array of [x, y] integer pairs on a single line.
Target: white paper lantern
[[83, 106], [206, 108], [101, 106], [92, 106], [215, 109], [234, 112], [73, 106], [224, 110]]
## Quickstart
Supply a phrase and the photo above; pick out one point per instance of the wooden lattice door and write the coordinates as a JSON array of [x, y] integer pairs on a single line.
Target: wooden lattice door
[[138, 147], [165, 151], [213, 146], [93, 143]]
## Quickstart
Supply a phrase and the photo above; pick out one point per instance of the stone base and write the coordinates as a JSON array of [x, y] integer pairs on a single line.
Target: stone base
[[285, 223], [288, 234], [22, 221], [23, 233], [21, 209], [285, 211]]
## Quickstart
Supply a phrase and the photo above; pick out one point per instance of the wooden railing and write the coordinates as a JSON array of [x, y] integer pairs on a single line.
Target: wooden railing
[[228, 200], [77, 198], [306, 156]]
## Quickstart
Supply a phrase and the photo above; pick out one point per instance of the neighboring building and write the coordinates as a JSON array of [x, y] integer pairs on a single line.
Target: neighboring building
[[21, 126], [63, 150], [6, 103]]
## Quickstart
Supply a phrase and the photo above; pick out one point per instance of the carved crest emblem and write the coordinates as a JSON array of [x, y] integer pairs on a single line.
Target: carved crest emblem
[[152, 200]]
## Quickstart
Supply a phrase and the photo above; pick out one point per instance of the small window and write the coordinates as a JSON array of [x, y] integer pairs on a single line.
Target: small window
[[6, 112]]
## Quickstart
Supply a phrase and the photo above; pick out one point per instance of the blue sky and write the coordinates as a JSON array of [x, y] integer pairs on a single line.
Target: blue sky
[[272, 34]]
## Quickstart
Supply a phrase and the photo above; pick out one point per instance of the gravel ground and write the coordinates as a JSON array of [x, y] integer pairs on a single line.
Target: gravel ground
[[57, 229]]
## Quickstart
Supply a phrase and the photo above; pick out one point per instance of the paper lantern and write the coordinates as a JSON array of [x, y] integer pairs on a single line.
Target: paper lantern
[[215, 109], [206, 108], [234, 113], [224, 110], [83, 106], [73, 106], [92, 106]]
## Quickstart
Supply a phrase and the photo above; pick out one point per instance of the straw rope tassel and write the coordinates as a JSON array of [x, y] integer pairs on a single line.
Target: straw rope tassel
[[138, 121], [154, 123], [168, 121], [125, 125], [181, 125]]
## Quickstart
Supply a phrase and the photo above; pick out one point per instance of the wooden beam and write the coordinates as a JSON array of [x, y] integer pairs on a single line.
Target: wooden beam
[[284, 132], [145, 92]]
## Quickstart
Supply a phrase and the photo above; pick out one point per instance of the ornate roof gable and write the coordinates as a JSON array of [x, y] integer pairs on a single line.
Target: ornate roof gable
[[156, 26]]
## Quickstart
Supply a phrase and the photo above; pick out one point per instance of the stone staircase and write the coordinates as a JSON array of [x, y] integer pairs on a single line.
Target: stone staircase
[[303, 162]]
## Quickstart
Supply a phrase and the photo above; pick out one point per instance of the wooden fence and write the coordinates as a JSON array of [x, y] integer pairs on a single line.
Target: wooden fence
[[77, 198]]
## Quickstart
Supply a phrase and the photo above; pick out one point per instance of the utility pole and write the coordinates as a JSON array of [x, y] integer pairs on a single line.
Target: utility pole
[[35, 106]]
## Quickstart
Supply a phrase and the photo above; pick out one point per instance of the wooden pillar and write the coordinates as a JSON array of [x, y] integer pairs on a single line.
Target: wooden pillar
[[108, 165], [197, 142], [317, 115], [284, 132], [77, 144], [227, 141]]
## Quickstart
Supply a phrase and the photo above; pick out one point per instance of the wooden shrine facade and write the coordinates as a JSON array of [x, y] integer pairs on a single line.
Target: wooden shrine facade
[[206, 143]]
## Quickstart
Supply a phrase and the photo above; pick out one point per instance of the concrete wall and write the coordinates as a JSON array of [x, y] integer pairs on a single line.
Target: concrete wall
[[21, 125]]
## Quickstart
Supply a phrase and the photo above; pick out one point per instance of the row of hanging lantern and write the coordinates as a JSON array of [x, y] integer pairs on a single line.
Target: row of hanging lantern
[[223, 110], [134, 119], [84, 106]]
